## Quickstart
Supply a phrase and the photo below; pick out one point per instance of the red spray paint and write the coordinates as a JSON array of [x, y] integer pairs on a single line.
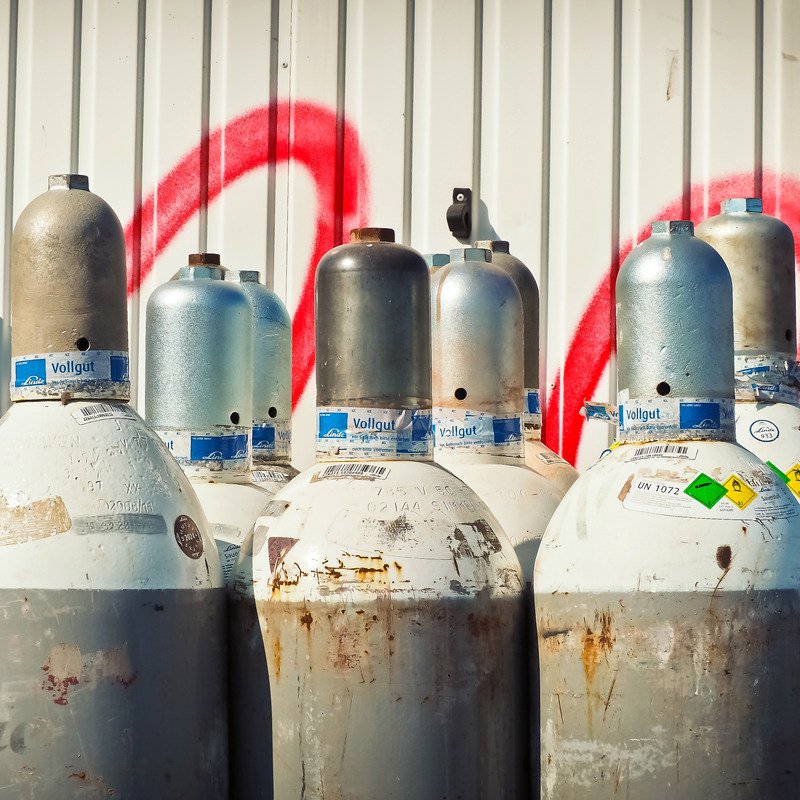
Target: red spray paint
[[306, 133]]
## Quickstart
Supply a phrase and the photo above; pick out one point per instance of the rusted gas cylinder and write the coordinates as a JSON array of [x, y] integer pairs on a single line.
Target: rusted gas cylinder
[[666, 586], [112, 631], [538, 456], [378, 608], [272, 383], [759, 252]]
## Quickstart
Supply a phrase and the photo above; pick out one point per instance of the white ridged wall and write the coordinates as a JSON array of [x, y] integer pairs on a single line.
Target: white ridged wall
[[575, 122]]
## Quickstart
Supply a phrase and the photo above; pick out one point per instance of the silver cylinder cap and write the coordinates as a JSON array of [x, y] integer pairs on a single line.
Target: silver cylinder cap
[[674, 320], [759, 252], [529, 291], [69, 296], [372, 324], [272, 349], [476, 332], [199, 351], [436, 260]]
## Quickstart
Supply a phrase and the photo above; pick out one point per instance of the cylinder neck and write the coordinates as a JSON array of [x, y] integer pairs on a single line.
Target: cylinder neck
[[70, 334], [674, 339], [373, 350]]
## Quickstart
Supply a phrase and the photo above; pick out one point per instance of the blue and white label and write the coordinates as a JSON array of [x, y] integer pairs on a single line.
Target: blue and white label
[[478, 432], [676, 418], [768, 377], [604, 412], [272, 440], [354, 433], [49, 374], [200, 452], [532, 414]]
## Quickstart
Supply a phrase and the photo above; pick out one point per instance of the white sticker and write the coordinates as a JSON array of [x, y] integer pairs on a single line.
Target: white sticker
[[532, 409], [772, 377], [750, 494], [549, 458], [478, 432], [37, 374], [226, 537], [225, 448], [272, 439], [345, 432], [93, 412], [673, 418]]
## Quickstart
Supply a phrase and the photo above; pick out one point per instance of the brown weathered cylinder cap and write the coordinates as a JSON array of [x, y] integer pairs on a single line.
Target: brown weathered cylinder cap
[[68, 281], [371, 235], [204, 259]]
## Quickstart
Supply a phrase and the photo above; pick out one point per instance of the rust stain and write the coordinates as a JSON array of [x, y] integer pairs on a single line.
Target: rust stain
[[623, 492], [277, 548], [610, 692], [724, 557], [596, 646], [40, 519], [554, 640], [277, 653], [102, 789], [307, 619], [479, 625]]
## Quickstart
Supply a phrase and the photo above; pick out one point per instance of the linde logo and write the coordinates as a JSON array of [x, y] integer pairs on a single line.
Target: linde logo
[[72, 367], [372, 424], [457, 431]]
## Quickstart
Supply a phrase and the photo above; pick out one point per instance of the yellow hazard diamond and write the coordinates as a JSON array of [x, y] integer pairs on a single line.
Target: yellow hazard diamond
[[793, 474], [739, 492]]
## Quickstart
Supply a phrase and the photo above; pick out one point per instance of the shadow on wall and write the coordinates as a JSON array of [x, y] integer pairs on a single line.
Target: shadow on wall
[[5, 365]]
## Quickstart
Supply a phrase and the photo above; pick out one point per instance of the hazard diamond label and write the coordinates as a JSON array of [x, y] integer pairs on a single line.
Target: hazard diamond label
[[793, 474], [739, 492], [705, 490]]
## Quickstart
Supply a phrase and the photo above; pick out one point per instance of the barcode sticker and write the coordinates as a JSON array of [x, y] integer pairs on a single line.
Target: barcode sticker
[[667, 450], [350, 470], [93, 412], [269, 475]]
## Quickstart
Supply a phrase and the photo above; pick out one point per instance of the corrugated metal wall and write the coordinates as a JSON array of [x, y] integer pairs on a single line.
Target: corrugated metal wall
[[264, 129]]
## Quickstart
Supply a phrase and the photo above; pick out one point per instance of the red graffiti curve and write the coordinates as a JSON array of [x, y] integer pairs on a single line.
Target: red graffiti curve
[[304, 132], [593, 341]]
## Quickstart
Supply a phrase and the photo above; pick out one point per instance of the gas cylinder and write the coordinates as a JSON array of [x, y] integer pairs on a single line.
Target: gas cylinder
[[666, 585], [377, 595], [759, 252], [476, 336], [538, 456], [272, 384], [112, 593], [199, 393]]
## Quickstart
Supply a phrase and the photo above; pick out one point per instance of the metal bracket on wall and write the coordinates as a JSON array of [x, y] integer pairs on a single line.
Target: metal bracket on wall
[[459, 215]]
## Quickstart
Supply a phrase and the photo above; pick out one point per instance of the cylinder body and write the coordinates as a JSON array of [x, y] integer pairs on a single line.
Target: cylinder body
[[359, 565], [650, 667], [111, 582]]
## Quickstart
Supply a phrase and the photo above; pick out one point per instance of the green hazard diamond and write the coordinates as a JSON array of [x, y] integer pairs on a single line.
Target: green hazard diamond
[[706, 490], [780, 473]]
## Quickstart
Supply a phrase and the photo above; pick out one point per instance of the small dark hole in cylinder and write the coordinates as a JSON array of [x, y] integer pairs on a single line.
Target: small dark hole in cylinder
[[273, 412], [460, 394], [235, 417], [788, 334], [82, 344], [663, 388]]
